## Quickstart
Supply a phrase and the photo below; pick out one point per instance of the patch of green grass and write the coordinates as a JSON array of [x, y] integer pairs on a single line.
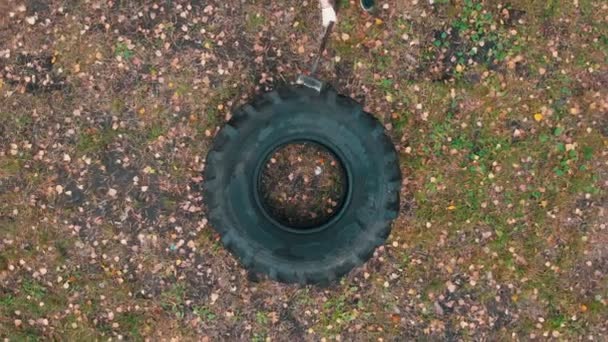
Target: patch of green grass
[[400, 122], [434, 285], [172, 299], [95, 142], [261, 318], [258, 337], [337, 311], [81, 331], [551, 8], [155, 131], [254, 22], [204, 313], [3, 263], [28, 299], [9, 167], [131, 322], [33, 289], [476, 34], [121, 49], [344, 3]]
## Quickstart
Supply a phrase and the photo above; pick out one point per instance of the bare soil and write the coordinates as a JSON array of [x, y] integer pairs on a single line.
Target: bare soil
[[302, 185]]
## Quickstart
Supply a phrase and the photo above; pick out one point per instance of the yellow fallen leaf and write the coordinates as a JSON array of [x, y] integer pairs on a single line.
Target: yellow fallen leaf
[[452, 207], [142, 111], [379, 21], [538, 117]]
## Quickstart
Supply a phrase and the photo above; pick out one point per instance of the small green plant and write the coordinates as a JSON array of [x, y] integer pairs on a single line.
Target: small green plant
[[261, 318], [255, 22], [131, 322], [33, 289], [257, 337], [121, 49], [155, 132], [173, 299], [204, 313]]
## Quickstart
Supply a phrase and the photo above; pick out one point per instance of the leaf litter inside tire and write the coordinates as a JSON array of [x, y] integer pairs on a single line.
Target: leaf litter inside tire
[[302, 185]]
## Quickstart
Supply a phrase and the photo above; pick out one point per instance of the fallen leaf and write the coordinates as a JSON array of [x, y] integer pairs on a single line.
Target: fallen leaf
[[538, 117], [214, 297]]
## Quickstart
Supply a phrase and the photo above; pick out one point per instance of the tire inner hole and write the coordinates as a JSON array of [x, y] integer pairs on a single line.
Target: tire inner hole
[[303, 185]]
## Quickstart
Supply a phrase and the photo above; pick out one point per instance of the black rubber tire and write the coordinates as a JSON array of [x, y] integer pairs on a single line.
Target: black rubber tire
[[232, 173]]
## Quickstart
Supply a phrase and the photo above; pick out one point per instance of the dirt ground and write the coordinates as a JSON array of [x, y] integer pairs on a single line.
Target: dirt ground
[[303, 185], [499, 110]]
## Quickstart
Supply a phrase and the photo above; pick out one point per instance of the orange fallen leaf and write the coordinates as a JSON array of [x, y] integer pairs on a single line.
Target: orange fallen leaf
[[395, 318], [452, 207]]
